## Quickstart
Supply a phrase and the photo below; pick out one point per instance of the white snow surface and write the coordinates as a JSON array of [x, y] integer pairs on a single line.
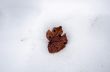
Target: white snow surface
[[23, 43]]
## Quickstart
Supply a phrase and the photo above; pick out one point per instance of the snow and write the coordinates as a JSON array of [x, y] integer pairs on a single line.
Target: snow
[[23, 44]]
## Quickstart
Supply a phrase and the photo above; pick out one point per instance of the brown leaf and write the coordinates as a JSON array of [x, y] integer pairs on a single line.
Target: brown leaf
[[57, 41]]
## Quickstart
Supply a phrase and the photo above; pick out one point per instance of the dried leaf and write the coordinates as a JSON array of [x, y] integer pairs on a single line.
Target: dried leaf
[[57, 41]]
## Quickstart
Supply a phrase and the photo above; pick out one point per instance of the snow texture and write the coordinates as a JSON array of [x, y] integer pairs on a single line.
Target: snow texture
[[23, 43]]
